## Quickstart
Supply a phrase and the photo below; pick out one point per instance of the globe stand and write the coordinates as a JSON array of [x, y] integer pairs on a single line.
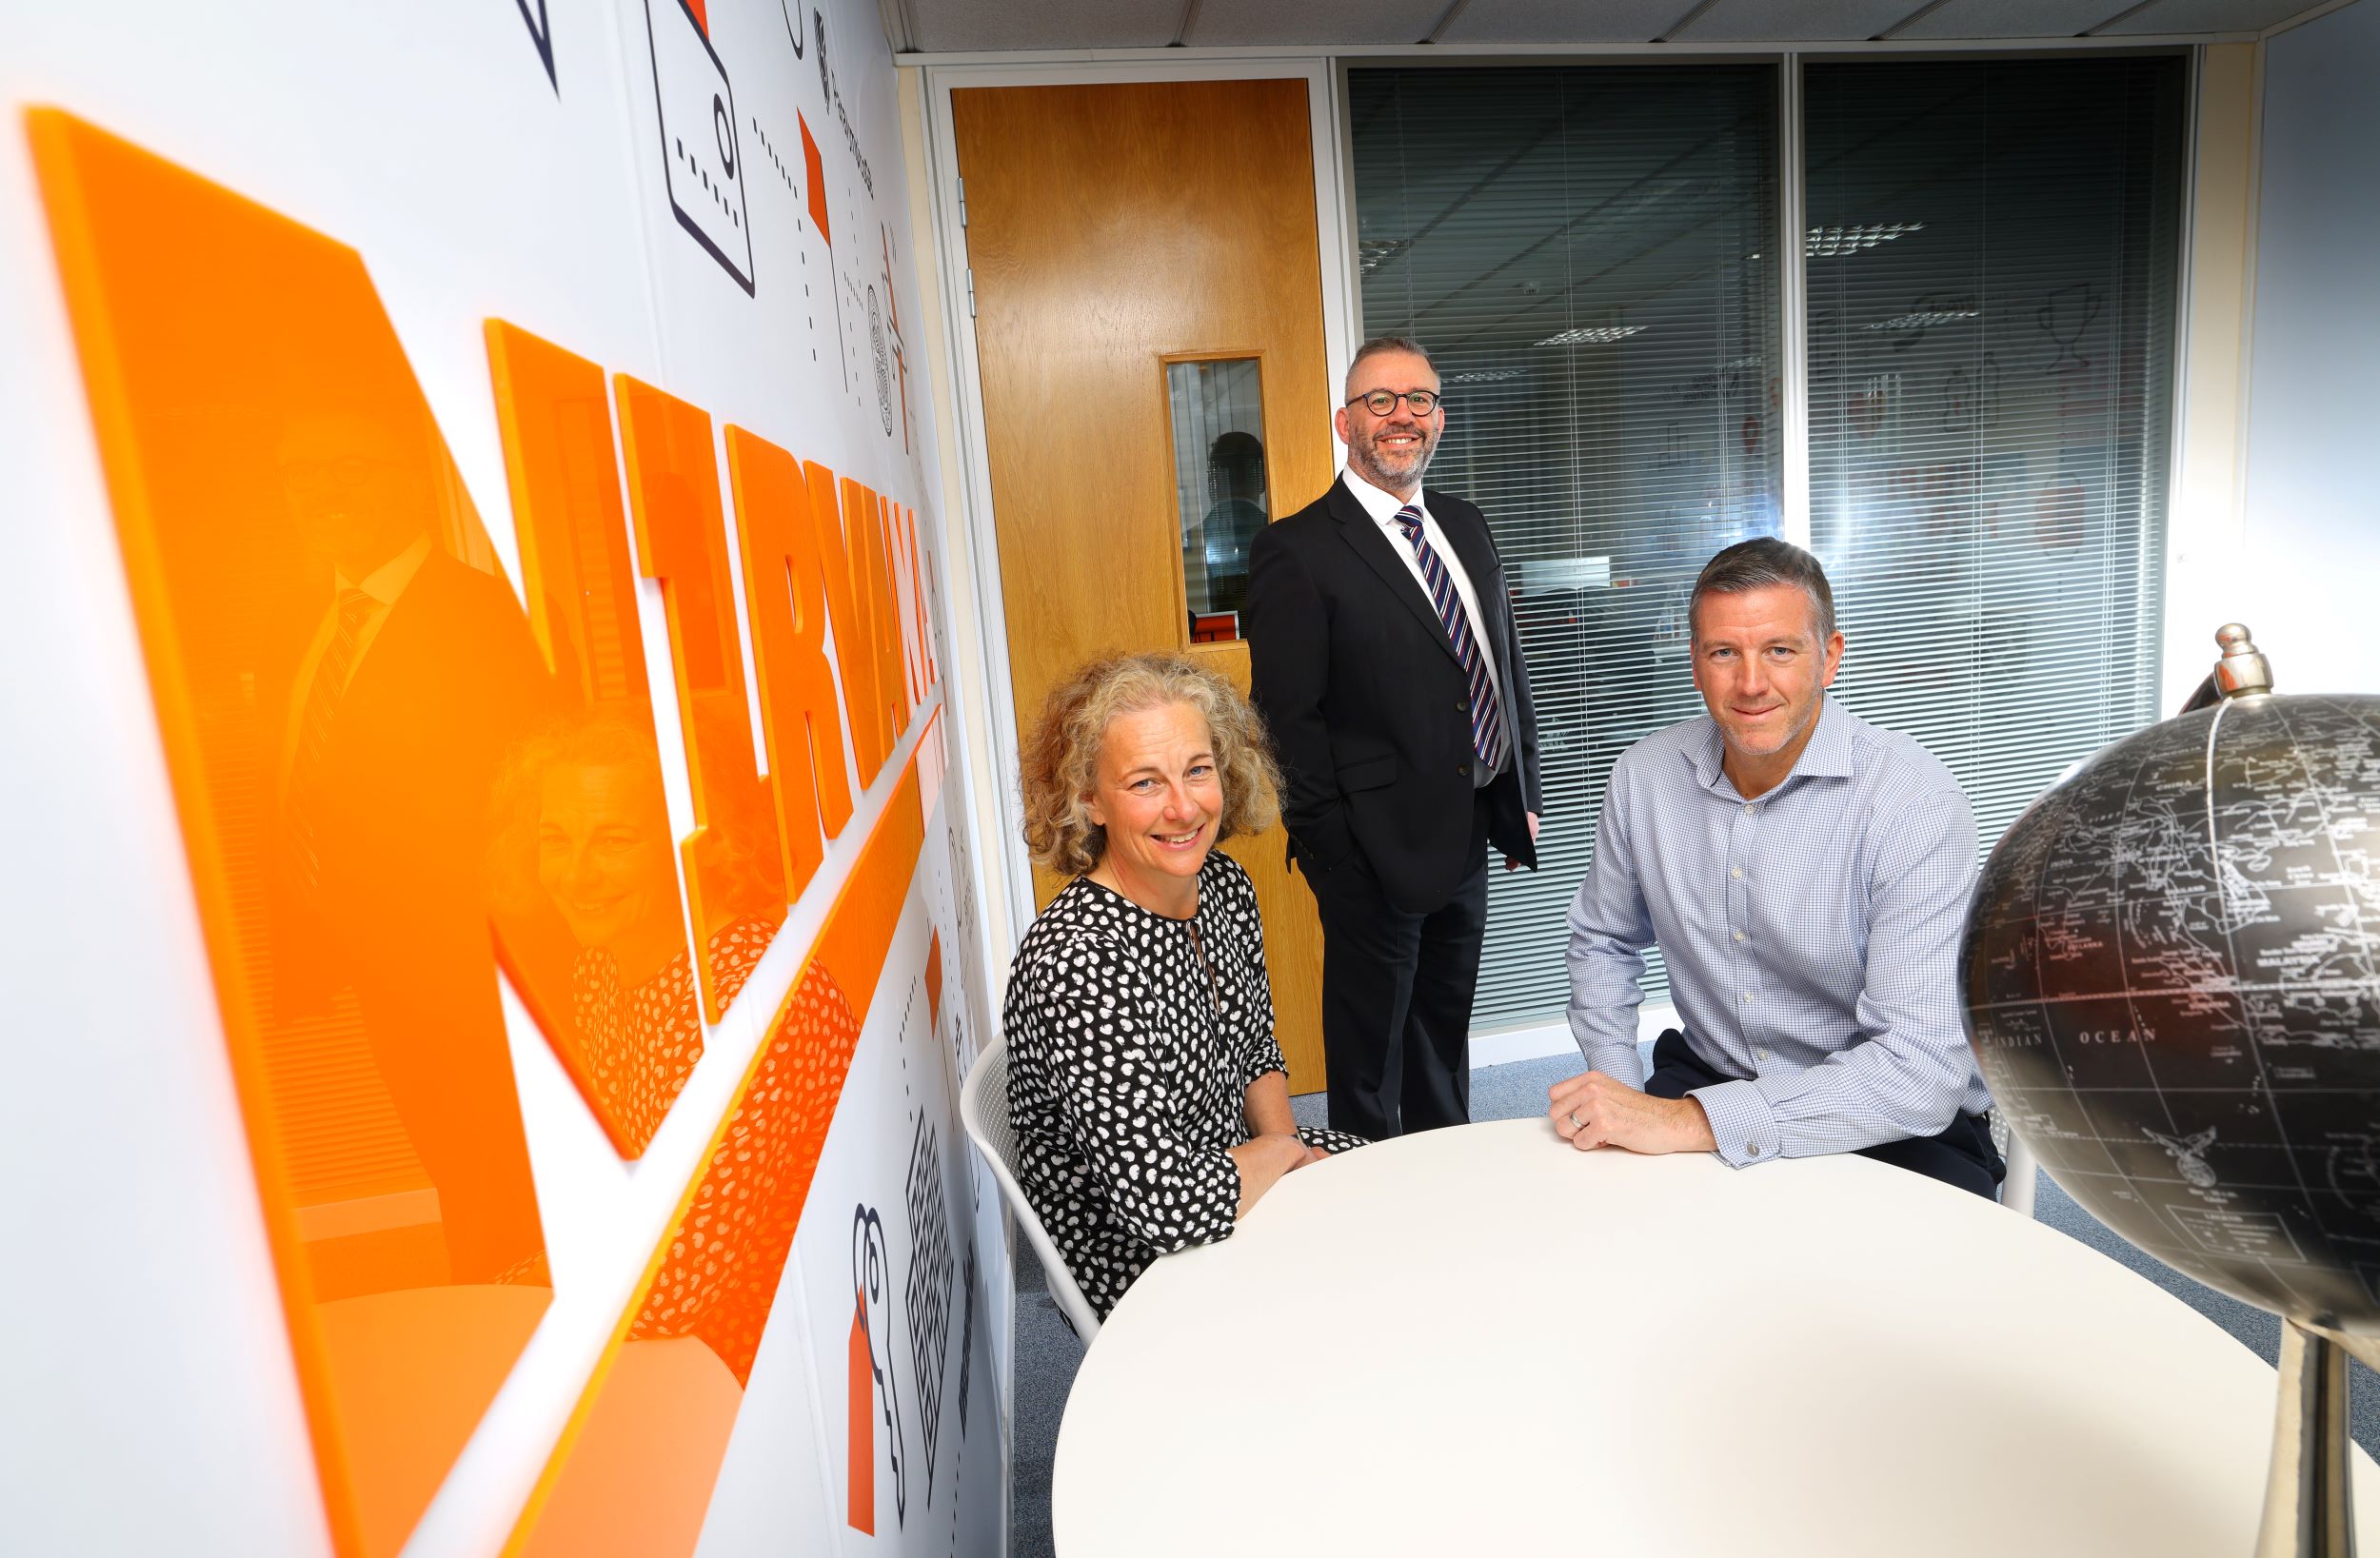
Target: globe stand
[[2307, 1512]]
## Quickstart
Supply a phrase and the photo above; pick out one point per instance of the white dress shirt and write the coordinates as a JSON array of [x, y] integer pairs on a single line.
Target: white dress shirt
[[1383, 507], [1810, 933], [384, 585]]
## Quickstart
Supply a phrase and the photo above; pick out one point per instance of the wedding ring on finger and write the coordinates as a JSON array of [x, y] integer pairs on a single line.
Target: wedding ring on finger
[[1576, 1123]]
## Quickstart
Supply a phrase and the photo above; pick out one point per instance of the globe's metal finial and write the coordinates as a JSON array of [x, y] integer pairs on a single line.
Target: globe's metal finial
[[2243, 668]]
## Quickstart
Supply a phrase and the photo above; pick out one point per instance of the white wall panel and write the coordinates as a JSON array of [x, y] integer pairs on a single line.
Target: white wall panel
[[2309, 562], [152, 1406]]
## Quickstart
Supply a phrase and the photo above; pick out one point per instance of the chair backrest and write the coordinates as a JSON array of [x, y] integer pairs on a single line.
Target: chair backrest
[[2016, 1191], [983, 1109]]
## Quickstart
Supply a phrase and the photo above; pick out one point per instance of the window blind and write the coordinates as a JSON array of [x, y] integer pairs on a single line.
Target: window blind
[[1589, 255], [1992, 297]]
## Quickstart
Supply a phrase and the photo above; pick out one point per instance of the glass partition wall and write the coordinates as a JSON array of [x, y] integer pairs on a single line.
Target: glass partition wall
[[1594, 254]]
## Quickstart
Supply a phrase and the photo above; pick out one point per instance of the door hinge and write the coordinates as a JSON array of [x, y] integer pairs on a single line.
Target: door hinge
[[970, 292], [963, 203]]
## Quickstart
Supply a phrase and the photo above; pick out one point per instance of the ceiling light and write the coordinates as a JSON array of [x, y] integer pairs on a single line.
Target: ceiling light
[[1376, 252], [1923, 319], [1826, 242], [1591, 335], [1485, 375]]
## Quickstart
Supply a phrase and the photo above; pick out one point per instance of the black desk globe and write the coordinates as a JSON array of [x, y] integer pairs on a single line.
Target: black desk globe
[[2171, 980]]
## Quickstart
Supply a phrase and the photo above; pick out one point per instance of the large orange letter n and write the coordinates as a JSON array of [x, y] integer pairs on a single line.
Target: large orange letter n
[[341, 675]]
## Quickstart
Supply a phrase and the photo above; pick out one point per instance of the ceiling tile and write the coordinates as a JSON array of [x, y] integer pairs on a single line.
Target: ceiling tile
[[952, 24], [1222, 23], [2181, 17], [1794, 21], [2012, 19], [1565, 20]]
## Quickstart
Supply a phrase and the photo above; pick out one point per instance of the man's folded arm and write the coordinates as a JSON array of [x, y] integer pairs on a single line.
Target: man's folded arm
[[1610, 928]]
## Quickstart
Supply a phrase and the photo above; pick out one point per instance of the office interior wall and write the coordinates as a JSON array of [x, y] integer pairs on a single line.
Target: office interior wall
[[2201, 573], [2306, 560], [2202, 523], [485, 159]]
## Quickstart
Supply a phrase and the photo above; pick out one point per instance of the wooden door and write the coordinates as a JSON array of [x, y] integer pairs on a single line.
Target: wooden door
[[1111, 230]]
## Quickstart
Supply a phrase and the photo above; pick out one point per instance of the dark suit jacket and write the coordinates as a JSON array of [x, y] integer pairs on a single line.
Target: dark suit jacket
[[401, 911], [1370, 709]]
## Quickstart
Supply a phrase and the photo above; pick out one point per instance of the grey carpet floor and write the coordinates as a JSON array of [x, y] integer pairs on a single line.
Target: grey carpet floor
[[1047, 1354]]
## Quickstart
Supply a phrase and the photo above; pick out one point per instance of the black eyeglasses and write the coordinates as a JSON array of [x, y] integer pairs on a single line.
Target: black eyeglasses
[[1381, 403]]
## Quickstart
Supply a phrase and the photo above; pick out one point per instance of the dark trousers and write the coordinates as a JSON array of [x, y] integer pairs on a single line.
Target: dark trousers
[[1961, 1155], [1396, 991]]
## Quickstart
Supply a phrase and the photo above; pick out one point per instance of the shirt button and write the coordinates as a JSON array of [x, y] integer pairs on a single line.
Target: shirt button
[[1735, 871], [1750, 808], [1739, 935], [1747, 997], [1751, 1149]]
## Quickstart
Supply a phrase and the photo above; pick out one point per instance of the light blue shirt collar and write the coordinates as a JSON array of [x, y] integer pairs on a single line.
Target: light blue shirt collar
[[1831, 752]]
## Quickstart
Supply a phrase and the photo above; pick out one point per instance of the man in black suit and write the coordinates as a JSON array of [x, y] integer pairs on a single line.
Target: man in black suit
[[1383, 656], [420, 671]]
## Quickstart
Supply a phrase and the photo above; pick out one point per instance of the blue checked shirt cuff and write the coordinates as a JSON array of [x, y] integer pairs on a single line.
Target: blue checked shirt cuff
[[1741, 1122]]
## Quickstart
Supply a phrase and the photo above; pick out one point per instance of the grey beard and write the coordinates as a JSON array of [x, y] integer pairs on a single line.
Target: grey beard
[[1360, 458]]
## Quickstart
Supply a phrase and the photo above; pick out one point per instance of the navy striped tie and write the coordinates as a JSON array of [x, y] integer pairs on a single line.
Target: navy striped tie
[[1487, 720]]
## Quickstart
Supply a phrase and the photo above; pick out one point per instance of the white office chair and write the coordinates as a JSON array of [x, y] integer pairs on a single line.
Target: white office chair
[[2023, 1168], [983, 1109]]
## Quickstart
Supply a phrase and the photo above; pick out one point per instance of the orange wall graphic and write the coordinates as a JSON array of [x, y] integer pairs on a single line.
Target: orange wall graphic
[[634, 1474], [734, 868], [786, 600], [581, 821], [339, 673], [393, 778]]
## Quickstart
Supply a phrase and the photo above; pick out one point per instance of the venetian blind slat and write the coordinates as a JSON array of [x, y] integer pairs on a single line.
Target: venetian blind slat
[[1589, 254], [1990, 383]]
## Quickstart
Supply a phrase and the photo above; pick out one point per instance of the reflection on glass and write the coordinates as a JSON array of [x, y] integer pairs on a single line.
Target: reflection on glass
[[1992, 259], [734, 864], [584, 831], [1590, 254], [581, 829], [637, 1477], [1218, 411], [340, 672]]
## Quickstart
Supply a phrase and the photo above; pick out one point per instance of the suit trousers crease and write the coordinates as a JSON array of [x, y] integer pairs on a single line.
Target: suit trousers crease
[[1397, 994]]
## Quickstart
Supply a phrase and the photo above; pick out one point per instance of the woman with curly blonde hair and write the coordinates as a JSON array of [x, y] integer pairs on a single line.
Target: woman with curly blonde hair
[[1150, 1100]]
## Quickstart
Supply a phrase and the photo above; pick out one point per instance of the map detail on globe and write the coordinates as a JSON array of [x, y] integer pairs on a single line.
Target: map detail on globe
[[2172, 984]]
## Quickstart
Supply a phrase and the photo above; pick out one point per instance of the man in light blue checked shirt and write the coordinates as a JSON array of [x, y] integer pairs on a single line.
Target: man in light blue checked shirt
[[1805, 875]]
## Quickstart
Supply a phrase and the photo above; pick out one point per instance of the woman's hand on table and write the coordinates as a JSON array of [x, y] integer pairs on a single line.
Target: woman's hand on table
[[1600, 1111], [1262, 1160]]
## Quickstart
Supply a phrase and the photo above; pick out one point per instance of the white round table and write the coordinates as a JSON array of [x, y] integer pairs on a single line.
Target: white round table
[[1479, 1341]]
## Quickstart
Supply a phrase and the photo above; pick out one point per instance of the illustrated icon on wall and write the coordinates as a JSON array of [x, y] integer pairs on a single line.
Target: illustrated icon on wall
[[929, 1284], [884, 360], [701, 157], [966, 1344], [900, 350], [874, 1398], [542, 34]]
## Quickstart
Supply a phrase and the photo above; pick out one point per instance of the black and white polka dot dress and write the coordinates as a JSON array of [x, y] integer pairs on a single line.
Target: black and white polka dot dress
[[1132, 1040]]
